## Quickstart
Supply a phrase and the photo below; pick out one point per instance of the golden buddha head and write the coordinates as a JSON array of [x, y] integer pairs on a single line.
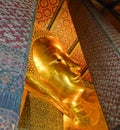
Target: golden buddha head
[[56, 76]]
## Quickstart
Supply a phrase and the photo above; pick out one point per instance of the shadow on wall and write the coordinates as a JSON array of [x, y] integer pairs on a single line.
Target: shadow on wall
[[111, 5]]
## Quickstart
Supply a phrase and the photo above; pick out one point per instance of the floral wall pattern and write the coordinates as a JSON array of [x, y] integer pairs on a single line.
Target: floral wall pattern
[[45, 11]]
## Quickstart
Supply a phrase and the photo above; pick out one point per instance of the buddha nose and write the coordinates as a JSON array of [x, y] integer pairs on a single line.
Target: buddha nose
[[75, 69]]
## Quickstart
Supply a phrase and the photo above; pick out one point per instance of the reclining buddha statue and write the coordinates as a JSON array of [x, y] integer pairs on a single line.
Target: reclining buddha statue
[[56, 78]]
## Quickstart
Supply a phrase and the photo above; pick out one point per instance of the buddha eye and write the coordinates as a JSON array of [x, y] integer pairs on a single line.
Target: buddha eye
[[58, 60], [61, 61]]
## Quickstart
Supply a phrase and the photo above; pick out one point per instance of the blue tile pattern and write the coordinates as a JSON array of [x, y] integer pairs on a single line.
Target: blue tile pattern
[[16, 25], [8, 120]]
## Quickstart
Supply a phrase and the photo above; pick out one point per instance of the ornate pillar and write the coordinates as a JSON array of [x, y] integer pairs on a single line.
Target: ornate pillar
[[16, 24], [100, 44]]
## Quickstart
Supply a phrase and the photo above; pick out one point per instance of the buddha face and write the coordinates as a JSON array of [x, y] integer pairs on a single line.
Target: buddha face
[[54, 68], [51, 72]]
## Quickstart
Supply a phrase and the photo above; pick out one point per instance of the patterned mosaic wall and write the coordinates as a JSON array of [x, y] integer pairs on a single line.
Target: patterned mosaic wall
[[100, 44], [16, 19], [40, 115]]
